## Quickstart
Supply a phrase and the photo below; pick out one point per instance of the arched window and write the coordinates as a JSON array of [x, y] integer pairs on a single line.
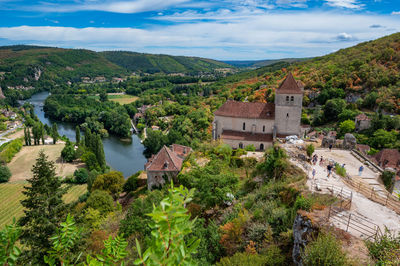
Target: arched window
[[261, 147], [244, 126], [240, 145], [292, 98], [263, 128], [287, 98]]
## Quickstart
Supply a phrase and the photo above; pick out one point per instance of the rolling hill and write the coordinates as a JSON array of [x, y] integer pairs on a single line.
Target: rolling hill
[[262, 63], [154, 63]]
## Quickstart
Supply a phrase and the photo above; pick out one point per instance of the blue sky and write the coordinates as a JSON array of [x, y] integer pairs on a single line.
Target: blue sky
[[220, 29]]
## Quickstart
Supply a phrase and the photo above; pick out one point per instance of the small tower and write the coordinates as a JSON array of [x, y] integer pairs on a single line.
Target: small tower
[[288, 105]]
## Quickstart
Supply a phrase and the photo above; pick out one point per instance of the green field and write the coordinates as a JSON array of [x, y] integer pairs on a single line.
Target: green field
[[11, 195], [119, 98]]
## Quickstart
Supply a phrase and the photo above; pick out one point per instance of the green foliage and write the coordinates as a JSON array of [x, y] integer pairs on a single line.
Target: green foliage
[[302, 203], [223, 151], [333, 108], [111, 182], [5, 173], [63, 244], [54, 133], [273, 165], [310, 150], [340, 170], [347, 126], [325, 250], [154, 142], [213, 185], [92, 176], [383, 139], [238, 259], [81, 176], [89, 158], [170, 224], [101, 201], [388, 179], [250, 147], [9, 151], [131, 184], [44, 209], [77, 135], [385, 250], [114, 253], [68, 152], [9, 251]]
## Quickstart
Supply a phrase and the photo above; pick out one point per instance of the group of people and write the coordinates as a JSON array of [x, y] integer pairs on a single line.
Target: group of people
[[314, 160]]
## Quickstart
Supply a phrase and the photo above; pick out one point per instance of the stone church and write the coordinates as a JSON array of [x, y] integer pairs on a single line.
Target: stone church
[[243, 123]]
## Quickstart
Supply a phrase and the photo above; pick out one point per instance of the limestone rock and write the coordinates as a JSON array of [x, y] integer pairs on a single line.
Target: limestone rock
[[303, 230], [349, 141], [326, 141]]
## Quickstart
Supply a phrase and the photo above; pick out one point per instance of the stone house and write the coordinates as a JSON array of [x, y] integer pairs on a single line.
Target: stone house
[[388, 159], [240, 124], [362, 122], [166, 164]]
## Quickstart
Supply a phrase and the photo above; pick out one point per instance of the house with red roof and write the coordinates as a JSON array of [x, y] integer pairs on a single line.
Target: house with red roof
[[240, 124], [362, 122], [166, 164]]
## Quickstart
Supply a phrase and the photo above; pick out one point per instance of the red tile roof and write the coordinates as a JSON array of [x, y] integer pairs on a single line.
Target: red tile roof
[[388, 158], [180, 150], [167, 160], [247, 110], [362, 117], [290, 86], [237, 135]]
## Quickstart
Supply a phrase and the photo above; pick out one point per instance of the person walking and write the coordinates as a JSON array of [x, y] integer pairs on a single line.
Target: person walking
[[360, 170], [329, 168], [330, 147], [321, 161], [313, 173]]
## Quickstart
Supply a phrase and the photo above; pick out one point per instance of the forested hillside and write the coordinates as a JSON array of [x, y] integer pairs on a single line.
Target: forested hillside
[[152, 63], [262, 63]]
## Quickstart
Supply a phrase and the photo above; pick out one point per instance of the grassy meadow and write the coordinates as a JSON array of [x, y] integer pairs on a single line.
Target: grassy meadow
[[11, 195]]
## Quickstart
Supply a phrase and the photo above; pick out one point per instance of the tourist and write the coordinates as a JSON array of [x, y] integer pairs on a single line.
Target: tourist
[[313, 173], [360, 170], [321, 161], [330, 147], [329, 167]]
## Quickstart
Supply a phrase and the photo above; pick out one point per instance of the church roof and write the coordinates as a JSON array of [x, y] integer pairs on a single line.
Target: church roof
[[167, 160], [247, 110], [290, 86]]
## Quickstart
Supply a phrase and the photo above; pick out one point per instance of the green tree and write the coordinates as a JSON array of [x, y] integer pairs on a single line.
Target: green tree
[[333, 108], [68, 152], [44, 209], [9, 251], [63, 243], [81, 176], [5, 173], [114, 253], [310, 150], [29, 137], [111, 182], [383, 139], [131, 183], [54, 133], [274, 163], [103, 96], [77, 135], [347, 126], [90, 160], [26, 137], [101, 201], [99, 152], [170, 224]]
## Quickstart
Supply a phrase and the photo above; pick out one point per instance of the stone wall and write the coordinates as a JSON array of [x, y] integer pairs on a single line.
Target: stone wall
[[288, 114], [158, 178], [235, 143], [236, 124]]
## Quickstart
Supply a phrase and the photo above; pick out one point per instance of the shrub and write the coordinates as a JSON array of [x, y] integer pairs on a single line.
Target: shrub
[[68, 152], [81, 176], [240, 259], [387, 178], [10, 149], [250, 147], [340, 170], [111, 182], [5, 174], [302, 203], [310, 150], [101, 201], [325, 250], [385, 250], [131, 183]]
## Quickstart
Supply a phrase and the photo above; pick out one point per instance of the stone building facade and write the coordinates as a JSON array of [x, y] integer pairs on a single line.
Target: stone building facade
[[362, 122], [240, 124], [166, 164]]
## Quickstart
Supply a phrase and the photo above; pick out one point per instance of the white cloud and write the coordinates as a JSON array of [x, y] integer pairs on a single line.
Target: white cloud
[[396, 13], [134, 6], [231, 36], [351, 4]]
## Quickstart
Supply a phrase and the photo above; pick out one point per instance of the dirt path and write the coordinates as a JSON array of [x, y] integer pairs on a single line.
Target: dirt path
[[22, 163], [361, 207]]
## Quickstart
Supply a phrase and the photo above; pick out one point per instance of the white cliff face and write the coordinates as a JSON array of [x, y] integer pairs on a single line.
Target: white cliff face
[[38, 73]]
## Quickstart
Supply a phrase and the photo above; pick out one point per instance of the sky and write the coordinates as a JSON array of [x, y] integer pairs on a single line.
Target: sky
[[218, 29]]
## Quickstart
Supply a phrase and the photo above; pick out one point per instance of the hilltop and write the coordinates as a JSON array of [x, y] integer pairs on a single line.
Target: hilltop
[[154, 63], [262, 63]]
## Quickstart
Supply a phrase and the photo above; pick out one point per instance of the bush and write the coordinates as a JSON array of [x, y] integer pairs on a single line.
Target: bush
[[68, 152], [131, 183], [387, 178], [250, 147], [101, 201], [325, 250], [81, 176], [310, 150], [340, 170], [111, 182], [239, 259], [5, 174], [10, 149], [385, 250], [302, 203]]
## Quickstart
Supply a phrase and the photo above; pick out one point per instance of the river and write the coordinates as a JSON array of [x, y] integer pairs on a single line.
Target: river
[[122, 156]]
